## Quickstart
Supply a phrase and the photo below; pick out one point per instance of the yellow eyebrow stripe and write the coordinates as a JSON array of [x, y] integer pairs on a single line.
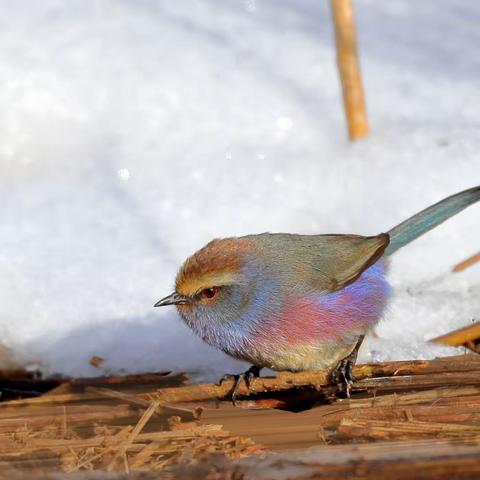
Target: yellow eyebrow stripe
[[191, 286]]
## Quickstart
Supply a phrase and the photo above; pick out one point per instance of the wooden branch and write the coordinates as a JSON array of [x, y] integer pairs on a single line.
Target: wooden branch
[[434, 396], [412, 373], [443, 409], [464, 367], [403, 430], [466, 263], [349, 69], [188, 414], [49, 415], [468, 336]]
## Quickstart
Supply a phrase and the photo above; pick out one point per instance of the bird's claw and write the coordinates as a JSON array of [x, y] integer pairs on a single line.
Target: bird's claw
[[342, 374], [248, 377]]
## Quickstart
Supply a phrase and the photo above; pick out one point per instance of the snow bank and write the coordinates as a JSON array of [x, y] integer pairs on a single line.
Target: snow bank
[[134, 132]]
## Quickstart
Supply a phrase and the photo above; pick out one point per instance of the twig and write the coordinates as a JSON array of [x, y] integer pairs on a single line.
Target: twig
[[138, 428], [189, 413], [349, 69], [466, 263], [468, 336], [401, 374], [112, 440], [315, 381], [90, 459], [384, 430], [64, 422]]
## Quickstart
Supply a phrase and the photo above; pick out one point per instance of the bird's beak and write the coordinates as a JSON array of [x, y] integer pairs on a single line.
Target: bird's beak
[[173, 299]]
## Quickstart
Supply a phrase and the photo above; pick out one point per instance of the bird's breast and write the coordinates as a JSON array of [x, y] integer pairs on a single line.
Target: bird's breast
[[313, 330]]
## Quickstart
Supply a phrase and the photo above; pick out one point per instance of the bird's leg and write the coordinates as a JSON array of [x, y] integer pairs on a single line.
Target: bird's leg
[[342, 374], [248, 377]]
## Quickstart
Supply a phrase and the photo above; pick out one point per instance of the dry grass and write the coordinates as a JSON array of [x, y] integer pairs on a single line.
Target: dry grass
[[159, 423]]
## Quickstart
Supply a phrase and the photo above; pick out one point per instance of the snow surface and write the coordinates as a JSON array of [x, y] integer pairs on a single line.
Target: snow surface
[[134, 132]]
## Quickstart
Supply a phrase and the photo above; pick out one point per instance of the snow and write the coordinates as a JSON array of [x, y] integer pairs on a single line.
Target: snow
[[134, 132]]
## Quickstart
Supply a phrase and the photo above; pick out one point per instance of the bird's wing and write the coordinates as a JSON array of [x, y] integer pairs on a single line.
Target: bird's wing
[[319, 262], [340, 259]]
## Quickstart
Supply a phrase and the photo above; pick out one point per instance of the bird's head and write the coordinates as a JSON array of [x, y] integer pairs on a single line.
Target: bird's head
[[216, 284]]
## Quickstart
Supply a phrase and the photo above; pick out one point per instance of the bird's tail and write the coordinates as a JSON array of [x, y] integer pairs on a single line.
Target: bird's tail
[[429, 218]]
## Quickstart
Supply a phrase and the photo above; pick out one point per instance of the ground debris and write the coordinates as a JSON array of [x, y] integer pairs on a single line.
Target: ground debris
[[156, 424]]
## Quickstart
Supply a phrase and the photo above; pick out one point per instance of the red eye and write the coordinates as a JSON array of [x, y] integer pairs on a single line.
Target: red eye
[[209, 292]]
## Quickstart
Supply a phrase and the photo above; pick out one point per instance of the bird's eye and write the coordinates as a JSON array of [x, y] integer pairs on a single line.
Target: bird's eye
[[209, 292]]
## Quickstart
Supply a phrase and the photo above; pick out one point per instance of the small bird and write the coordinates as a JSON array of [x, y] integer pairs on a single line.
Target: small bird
[[296, 302]]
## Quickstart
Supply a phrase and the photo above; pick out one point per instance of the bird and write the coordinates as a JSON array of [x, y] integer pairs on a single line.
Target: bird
[[292, 302]]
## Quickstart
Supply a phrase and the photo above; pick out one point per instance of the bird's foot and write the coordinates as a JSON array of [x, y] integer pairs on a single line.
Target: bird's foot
[[248, 377], [342, 374]]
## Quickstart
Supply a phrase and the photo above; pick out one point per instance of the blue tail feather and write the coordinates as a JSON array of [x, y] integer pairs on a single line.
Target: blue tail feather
[[429, 218]]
